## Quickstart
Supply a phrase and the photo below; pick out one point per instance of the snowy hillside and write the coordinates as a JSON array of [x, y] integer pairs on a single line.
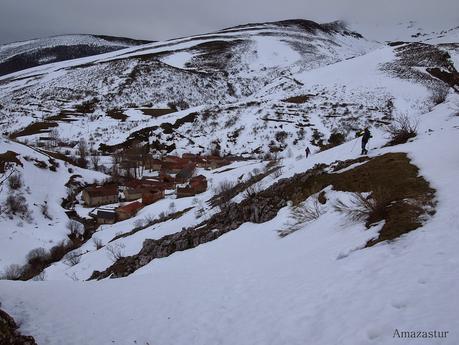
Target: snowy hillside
[[280, 248], [42, 185], [25, 54], [219, 68]]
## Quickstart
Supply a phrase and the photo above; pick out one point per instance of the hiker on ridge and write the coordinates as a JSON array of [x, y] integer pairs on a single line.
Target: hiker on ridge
[[366, 135]]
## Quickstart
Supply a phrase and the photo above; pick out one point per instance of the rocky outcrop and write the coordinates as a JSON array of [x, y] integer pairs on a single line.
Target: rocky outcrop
[[450, 77], [9, 334]]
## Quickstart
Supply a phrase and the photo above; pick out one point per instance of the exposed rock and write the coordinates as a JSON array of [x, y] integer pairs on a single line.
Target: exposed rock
[[9, 334]]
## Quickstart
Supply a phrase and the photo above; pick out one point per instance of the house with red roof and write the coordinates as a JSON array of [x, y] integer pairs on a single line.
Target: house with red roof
[[151, 196], [197, 185], [100, 195], [128, 211]]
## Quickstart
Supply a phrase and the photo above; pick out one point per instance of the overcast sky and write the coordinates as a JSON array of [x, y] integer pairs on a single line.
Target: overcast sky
[[158, 20]]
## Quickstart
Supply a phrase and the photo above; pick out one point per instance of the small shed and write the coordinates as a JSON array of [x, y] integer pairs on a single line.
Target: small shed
[[106, 216]]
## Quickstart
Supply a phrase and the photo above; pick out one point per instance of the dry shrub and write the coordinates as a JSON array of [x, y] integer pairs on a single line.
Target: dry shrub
[[273, 161], [401, 130], [301, 214], [252, 190], [336, 138], [115, 251], [72, 258], [361, 207], [15, 181], [97, 243], [223, 190], [12, 272], [439, 95], [37, 256], [87, 107], [16, 204], [58, 251], [277, 173]]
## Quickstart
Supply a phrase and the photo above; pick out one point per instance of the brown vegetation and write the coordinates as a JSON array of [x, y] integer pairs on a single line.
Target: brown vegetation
[[298, 99], [6, 158], [34, 128], [156, 112], [401, 130], [117, 114]]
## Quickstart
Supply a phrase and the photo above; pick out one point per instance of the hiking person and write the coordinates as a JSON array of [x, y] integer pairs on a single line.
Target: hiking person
[[366, 135], [307, 151]]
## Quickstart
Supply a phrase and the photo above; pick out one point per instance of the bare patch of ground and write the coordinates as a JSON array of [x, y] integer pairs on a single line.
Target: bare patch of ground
[[34, 128]]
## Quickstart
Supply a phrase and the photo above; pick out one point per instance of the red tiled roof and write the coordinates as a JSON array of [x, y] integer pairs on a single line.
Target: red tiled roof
[[131, 208], [102, 191]]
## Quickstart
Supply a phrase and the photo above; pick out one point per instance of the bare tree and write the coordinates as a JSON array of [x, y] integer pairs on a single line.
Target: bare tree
[[95, 159], [75, 228], [115, 251], [82, 152], [12, 272], [54, 137]]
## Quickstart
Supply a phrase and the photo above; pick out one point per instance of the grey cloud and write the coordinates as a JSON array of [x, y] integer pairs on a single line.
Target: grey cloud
[[158, 20]]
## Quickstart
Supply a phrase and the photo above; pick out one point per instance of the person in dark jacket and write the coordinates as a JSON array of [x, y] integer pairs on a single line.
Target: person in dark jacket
[[366, 135]]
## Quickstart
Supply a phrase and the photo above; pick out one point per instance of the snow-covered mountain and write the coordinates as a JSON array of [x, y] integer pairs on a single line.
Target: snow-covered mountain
[[209, 73], [17, 56], [334, 248]]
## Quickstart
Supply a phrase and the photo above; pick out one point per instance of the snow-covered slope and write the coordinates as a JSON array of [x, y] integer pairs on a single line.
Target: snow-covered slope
[[25, 54], [223, 275], [43, 187]]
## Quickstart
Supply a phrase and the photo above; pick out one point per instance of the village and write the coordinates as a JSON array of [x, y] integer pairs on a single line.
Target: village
[[170, 175]]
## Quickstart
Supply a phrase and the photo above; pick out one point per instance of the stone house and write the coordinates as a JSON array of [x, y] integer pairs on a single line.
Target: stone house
[[185, 174], [197, 185], [131, 194], [106, 216], [151, 196], [128, 211], [100, 195]]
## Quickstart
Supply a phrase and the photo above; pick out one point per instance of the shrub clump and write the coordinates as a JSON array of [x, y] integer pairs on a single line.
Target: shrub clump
[[364, 207], [301, 214], [73, 258], [37, 256], [12, 272], [16, 205], [15, 181], [401, 130]]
